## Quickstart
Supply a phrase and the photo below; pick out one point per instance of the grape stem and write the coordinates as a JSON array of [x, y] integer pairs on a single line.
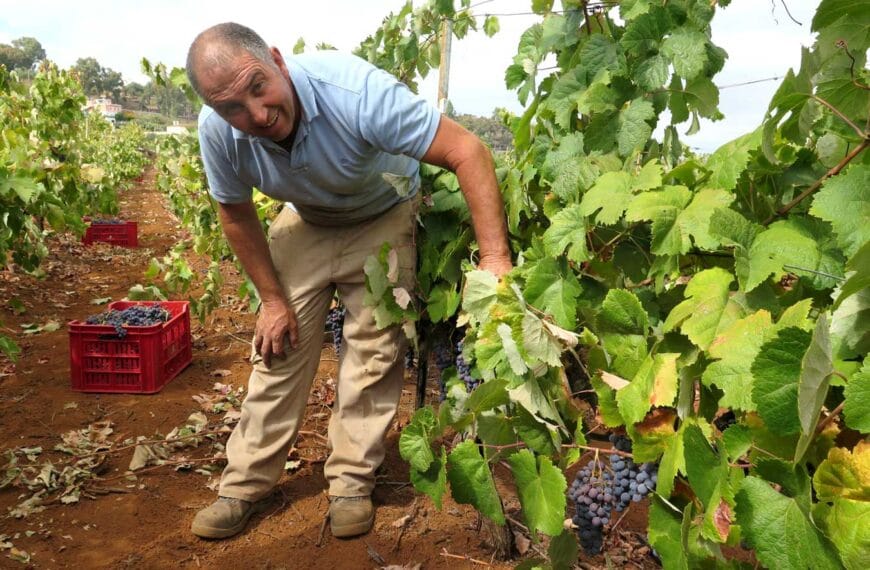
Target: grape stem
[[564, 446]]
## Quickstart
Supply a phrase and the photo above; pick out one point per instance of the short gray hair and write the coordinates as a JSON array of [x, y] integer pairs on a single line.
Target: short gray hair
[[229, 39]]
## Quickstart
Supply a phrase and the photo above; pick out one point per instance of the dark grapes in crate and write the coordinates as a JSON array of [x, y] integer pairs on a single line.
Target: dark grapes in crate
[[136, 316]]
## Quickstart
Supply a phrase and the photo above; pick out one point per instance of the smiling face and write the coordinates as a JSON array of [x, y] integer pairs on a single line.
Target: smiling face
[[253, 96]]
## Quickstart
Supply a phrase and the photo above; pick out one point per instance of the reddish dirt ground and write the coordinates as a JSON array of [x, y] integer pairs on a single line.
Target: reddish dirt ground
[[147, 525]]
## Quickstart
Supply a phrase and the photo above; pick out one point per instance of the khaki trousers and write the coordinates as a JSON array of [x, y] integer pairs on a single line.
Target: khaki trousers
[[312, 263]]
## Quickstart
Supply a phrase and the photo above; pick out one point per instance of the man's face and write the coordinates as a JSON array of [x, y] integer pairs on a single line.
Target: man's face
[[253, 96]]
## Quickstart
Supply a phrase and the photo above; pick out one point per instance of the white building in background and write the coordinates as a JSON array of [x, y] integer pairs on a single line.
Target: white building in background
[[176, 129], [104, 106]]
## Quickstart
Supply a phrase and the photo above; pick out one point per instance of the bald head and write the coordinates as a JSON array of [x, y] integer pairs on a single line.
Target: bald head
[[218, 45]]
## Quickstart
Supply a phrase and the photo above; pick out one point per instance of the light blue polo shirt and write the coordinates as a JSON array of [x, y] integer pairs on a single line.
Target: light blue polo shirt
[[358, 123]]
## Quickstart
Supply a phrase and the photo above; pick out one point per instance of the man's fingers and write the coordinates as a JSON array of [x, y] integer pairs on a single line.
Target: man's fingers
[[278, 346], [294, 333]]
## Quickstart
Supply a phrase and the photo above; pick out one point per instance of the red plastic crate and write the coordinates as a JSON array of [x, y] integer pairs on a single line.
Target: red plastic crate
[[125, 234], [143, 362]]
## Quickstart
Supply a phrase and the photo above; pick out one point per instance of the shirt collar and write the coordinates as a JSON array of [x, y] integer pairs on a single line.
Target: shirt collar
[[307, 100]]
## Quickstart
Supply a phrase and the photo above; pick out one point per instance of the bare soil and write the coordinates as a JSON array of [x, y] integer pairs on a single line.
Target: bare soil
[[146, 524]]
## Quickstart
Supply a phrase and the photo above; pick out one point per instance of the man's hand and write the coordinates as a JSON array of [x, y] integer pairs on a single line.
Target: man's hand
[[497, 265], [276, 321]]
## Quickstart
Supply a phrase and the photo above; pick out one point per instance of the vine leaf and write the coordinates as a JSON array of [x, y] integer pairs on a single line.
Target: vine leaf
[[736, 347], [848, 525], [850, 326], [563, 550], [663, 208], [707, 309], [655, 384], [553, 288], [797, 242], [666, 533], [414, 442], [567, 230], [844, 474], [433, 481], [609, 196], [777, 369], [687, 50], [673, 462], [471, 481], [480, 293], [858, 276], [623, 326], [634, 126], [780, 532], [541, 487], [844, 200], [857, 407], [816, 368], [728, 162]]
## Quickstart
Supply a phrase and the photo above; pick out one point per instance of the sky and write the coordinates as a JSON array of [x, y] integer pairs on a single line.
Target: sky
[[761, 39]]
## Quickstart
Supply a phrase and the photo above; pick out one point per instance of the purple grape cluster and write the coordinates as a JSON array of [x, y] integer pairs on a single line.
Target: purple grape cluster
[[464, 368], [135, 316], [409, 358], [335, 325], [107, 222], [442, 352], [600, 488]]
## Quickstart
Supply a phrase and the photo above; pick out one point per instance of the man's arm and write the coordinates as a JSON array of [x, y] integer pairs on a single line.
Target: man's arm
[[461, 152], [277, 319]]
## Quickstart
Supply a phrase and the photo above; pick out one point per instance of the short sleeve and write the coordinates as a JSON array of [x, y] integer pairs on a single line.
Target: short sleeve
[[224, 184], [394, 119]]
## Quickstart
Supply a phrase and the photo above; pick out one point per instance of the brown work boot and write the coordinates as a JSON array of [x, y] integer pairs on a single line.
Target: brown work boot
[[224, 518], [350, 516]]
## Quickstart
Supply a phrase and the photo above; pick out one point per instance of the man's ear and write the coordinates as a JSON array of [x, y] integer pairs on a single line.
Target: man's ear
[[279, 60]]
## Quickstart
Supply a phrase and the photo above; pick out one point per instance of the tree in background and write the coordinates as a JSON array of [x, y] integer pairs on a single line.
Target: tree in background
[[97, 80], [23, 54]]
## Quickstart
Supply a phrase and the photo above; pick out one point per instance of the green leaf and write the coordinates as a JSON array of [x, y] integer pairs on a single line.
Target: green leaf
[[600, 53], [563, 550], [704, 469], [567, 228], [444, 299], [797, 242], [850, 326], [533, 432], [729, 161], [553, 288], [611, 194], [829, 11], [511, 349], [858, 276], [857, 407], [666, 535], [673, 462], [816, 369], [432, 482], [732, 229], [652, 73], [695, 219], [599, 97], [737, 347], [736, 441], [686, 48], [471, 481], [844, 200], [414, 442], [539, 343], [487, 396], [634, 127], [491, 26], [480, 293], [9, 347], [707, 310], [780, 533], [541, 488], [622, 324], [607, 406], [848, 525], [655, 384], [777, 370], [663, 208], [844, 474]]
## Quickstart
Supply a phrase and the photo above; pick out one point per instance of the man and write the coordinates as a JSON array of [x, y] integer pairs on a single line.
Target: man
[[319, 132]]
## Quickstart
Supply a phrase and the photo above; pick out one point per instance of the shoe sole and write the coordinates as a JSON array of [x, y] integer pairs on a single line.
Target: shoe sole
[[354, 529], [215, 532]]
